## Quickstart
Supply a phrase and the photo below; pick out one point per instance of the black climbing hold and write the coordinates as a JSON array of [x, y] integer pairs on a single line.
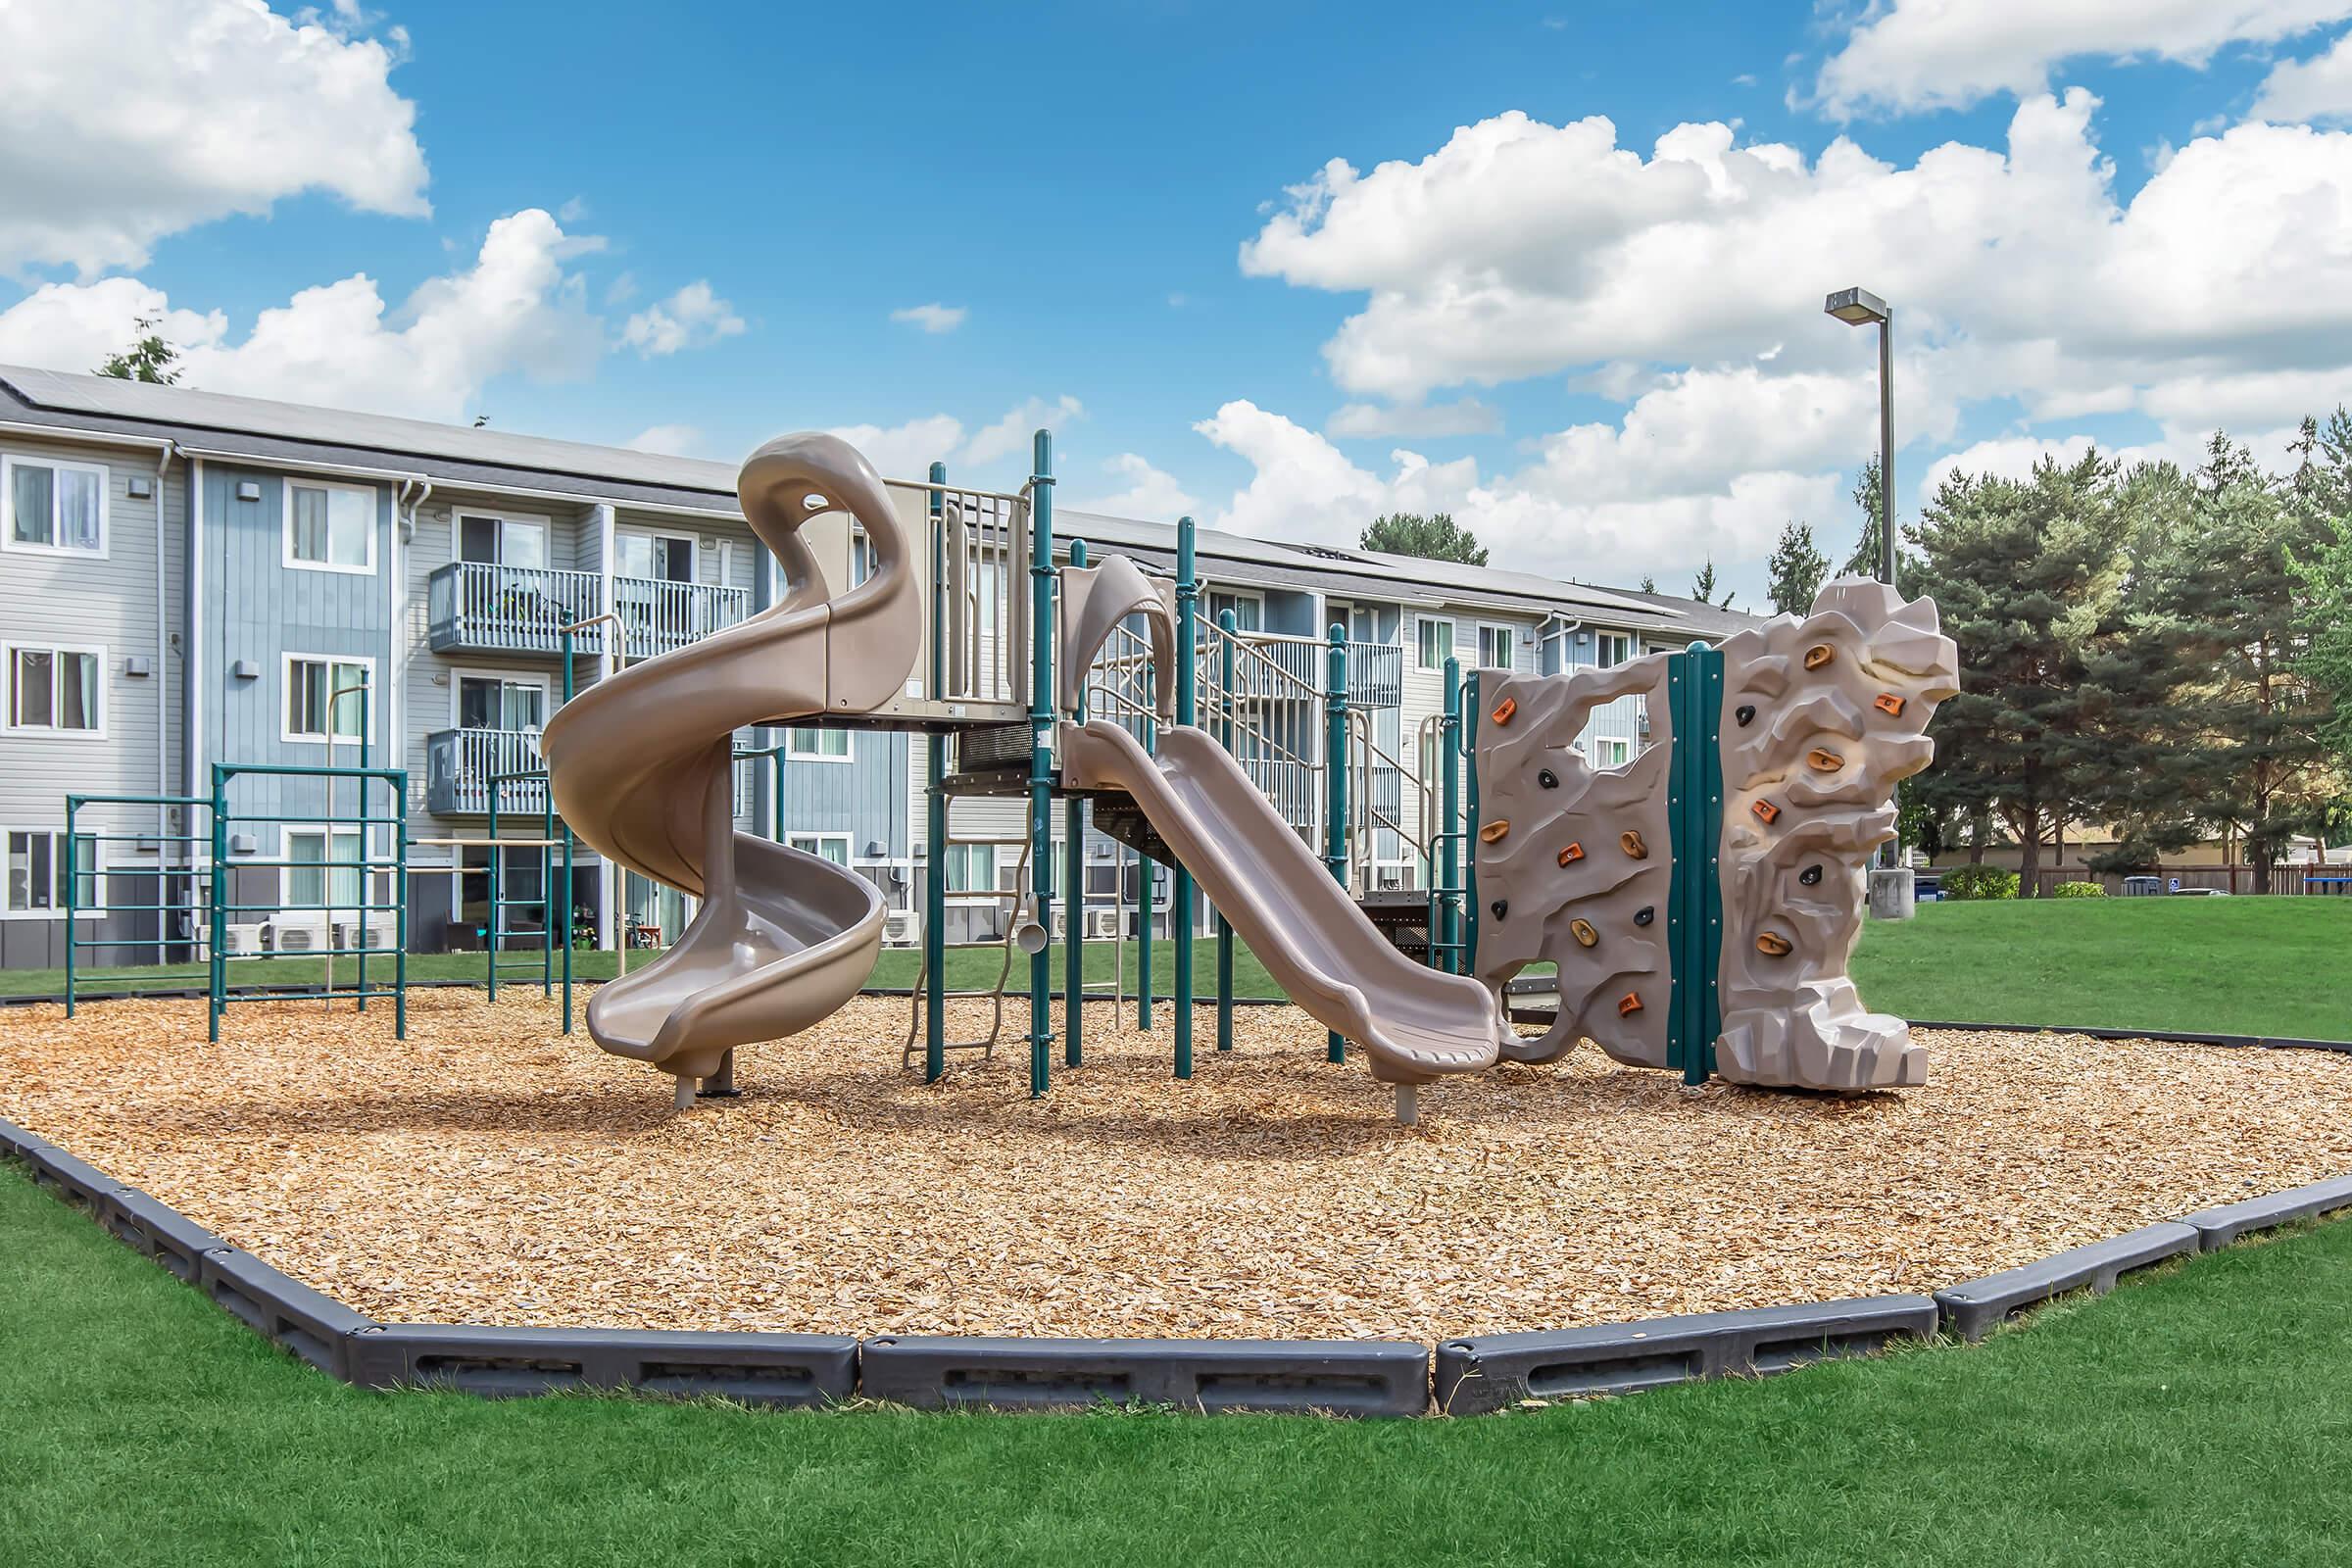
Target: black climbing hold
[[1810, 875], [1644, 915], [1548, 779], [1745, 714], [1500, 907]]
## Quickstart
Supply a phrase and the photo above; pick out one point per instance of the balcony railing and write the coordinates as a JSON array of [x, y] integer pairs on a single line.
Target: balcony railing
[[482, 608], [1375, 675], [459, 763], [656, 616]]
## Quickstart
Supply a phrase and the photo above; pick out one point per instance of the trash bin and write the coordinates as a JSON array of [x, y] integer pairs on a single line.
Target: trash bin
[[2142, 887]]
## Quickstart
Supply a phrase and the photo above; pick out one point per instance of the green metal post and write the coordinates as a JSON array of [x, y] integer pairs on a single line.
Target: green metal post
[[568, 884], [1041, 759], [74, 890], [1449, 816], [400, 917], [776, 769], [490, 937], [1073, 876], [1468, 958], [1180, 909], [360, 959], [1226, 626], [218, 979], [935, 808], [1335, 768]]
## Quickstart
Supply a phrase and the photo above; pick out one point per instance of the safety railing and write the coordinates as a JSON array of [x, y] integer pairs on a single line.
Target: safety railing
[[483, 607], [1119, 681], [1375, 675], [461, 764], [1378, 795], [657, 615], [1275, 701], [96, 919], [980, 550]]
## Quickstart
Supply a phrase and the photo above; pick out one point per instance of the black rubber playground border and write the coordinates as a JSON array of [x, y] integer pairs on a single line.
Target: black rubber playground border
[[297, 991], [1469, 1375]]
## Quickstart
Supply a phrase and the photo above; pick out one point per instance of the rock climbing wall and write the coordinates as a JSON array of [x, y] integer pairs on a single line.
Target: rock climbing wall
[[1573, 860], [1821, 718]]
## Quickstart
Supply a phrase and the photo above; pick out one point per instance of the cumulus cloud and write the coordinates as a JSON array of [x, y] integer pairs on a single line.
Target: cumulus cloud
[[669, 440], [2318, 89], [693, 318], [1148, 492], [932, 317], [1911, 55], [126, 121], [907, 451], [515, 310], [1012, 433], [1469, 417]]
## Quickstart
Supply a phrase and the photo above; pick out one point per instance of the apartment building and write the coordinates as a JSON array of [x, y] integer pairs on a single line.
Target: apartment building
[[194, 579]]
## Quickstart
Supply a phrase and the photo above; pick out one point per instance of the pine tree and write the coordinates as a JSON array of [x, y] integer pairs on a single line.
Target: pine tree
[[148, 359], [1435, 537], [1795, 570], [1650, 584], [1702, 586]]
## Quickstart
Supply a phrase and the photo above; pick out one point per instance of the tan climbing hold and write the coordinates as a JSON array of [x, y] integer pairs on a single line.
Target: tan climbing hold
[[1583, 933], [1765, 811], [1889, 704], [1631, 842], [1629, 1004], [1572, 853], [1494, 831], [1504, 709], [1819, 654], [1821, 761], [1773, 945]]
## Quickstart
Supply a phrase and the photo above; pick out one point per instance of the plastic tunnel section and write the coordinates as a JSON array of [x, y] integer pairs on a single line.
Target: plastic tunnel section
[[640, 766], [1414, 1023]]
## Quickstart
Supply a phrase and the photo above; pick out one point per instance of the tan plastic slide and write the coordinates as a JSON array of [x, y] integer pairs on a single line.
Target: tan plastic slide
[[640, 768], [1413, 1022]]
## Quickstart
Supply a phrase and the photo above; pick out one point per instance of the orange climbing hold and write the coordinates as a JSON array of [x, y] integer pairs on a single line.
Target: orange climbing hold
[[1631, 842], [1824, 761], [1774, 945], [1494, 831], [1504, 709], [1765, 811], [1629, 1004], [1889, 704], [1818, 655], [1583, 933], [1572, 853]]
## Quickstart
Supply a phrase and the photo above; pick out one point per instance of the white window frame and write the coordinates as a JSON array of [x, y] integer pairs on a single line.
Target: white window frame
[[506, 677], [1631, 644], [1611, 750], [988, 887], [9, 464], [54, 732], [56, 836], [694, 551], [286, 694], [1240, 596], [371, 841], [287, 488], [458, 871], [794, 754], [505, 519], [803, 841], [1453, 632], [1510, 636]]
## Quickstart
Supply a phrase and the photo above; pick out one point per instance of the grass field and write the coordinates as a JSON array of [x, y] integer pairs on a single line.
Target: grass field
[[2276, 967], [2195, 1417]]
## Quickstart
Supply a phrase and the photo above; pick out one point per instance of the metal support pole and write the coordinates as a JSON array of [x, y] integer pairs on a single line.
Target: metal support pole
[[1226, 626], [1335, 768], [1468, 958], [569, 936], [1891, 853], [1041, 759], [74, 890], [1073, 876], [935, 810], [490, 936], [1450, 817], [1180, 912], [219, 986], [360, 960], [400, 915]]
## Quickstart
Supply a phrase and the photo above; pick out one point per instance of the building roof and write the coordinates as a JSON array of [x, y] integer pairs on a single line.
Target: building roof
[[259, 429]]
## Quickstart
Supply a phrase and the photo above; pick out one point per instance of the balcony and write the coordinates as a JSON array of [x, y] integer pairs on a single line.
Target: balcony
[[1375, 675], [481, 608], [658, 617], [459, 763]]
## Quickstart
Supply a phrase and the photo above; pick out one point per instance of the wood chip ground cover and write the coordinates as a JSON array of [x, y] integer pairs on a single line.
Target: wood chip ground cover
[[490, 1169]]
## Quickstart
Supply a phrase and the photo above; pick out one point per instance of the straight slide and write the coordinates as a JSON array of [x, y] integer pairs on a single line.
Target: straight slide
[[1413, 1022]]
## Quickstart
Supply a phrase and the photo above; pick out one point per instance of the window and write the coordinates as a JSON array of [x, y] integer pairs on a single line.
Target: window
[[321, 870], [1437, 643], [500, 702], [1498, 647], [54, 507], [519, 542], [314, 685], [1610, 751], [833, 846], [970, 867], [331, 527], [818, 744], [1248, 611], [57, 691], [661, 556], [1612, 647], [37, 868], [519, 913], [862, 558]]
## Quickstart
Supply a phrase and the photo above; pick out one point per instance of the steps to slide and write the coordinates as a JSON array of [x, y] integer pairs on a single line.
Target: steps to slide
[[1414, 1023], [640, 768]]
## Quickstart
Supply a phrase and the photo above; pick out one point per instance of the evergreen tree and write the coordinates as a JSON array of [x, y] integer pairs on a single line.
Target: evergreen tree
[[1650, 584], [1433, 537], [148, 359], [1702, 586], [1795, 570]]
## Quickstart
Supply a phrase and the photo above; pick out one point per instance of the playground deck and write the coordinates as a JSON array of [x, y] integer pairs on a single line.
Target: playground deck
[[489, 1169]]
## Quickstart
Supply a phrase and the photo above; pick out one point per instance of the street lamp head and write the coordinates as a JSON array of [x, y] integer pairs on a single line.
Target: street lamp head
[[1856, 307]]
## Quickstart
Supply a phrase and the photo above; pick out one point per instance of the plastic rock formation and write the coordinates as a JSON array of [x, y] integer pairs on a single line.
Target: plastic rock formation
[[1819, 718]]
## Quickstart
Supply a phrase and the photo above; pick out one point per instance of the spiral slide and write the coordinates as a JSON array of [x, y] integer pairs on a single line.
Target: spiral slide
[[640, 768]]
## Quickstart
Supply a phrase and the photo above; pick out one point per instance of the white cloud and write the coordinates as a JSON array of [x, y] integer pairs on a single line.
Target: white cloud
[[1469, 417], [932, 317], [693, 318], [515, 310], [1150, 493], [1910, 55], [1012, 433], [2318, 89], [670, 440], [126, 121]]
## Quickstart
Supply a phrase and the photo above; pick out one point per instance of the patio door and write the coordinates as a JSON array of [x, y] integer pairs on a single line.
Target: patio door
[[501, 701], [509, 557]]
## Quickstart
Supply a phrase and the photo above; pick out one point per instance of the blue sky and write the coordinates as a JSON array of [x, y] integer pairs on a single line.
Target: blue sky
[[1104, 200]]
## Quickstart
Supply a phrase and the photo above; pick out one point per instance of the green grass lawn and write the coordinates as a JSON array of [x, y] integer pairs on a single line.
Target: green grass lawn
[[2200, 1417], [2247, 966]]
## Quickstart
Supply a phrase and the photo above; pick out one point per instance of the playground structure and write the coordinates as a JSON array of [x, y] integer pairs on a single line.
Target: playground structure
[[1109, 659]]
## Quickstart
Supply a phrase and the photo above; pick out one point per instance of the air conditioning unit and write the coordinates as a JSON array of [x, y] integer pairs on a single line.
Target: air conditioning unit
[[901, 928], [1103, 925], [303, 936]]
